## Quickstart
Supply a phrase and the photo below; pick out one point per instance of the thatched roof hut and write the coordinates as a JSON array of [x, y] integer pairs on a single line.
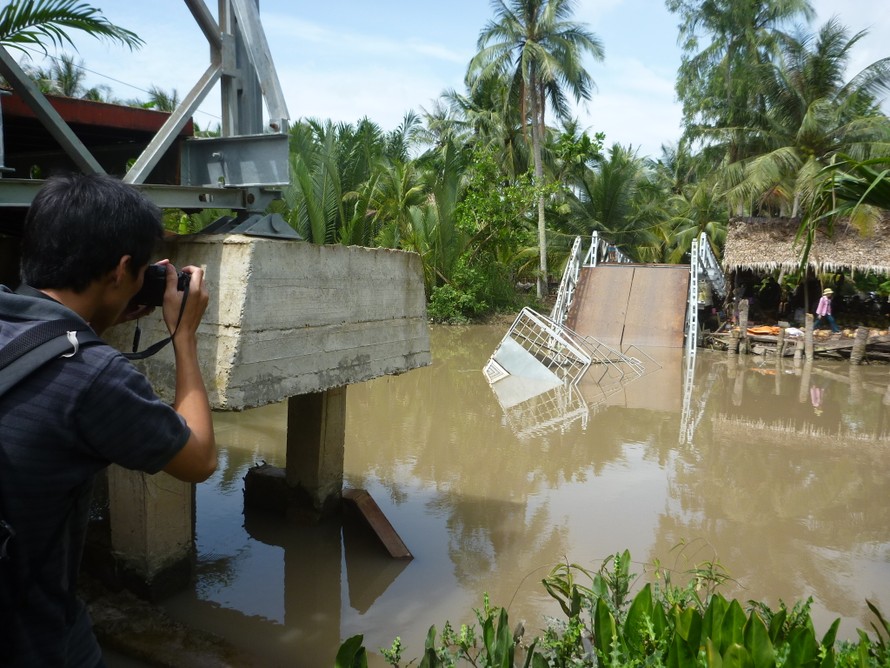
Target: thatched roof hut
[[768, 244]]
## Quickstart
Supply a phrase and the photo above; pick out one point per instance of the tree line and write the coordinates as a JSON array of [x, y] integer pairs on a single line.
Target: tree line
[[491, 183]]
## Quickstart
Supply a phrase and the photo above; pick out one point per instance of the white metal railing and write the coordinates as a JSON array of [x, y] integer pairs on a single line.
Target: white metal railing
[[563, 352], [703, 266], [692, 303], [568, 284], [599, 252], [709, 265], [602, 251], [559, 350]]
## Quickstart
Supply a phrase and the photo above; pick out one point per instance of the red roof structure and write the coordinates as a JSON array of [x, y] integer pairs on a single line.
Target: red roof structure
[[114, 134]]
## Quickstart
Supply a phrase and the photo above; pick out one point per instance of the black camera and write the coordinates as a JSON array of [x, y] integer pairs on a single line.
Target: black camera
[[155, 283]]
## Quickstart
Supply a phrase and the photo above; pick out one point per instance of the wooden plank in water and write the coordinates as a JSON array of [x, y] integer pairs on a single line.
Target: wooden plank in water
[[371, 513]]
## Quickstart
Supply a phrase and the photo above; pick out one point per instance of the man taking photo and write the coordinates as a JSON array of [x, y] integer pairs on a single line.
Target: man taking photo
[[86, 244]]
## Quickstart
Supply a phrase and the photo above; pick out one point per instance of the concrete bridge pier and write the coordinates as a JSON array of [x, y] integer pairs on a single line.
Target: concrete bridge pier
[[289, 321], [310, 486], [316, 439], [152, 529]]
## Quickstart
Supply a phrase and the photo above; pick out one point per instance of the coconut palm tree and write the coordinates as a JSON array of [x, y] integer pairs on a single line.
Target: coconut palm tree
[[36, 23], [482, 117], [62, 77], [607, 198], [536, 46], [716, 82], [856, 183], [814, 115], [698, 210], [161, 100]]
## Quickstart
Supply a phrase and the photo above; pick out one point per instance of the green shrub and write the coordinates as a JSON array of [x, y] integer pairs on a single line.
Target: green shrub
[[663, 625]]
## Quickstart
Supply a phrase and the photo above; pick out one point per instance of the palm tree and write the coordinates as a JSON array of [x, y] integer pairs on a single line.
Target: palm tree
[[853, 184], [397, 189], [33, 23], [161, 100], [701, 209], [716, 83], [481, 117], [814, 115], [432, 229], [607, 198], [63, 77], [535, 46]]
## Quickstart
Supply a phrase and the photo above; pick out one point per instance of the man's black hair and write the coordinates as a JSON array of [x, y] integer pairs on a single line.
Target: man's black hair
[[78, 228]]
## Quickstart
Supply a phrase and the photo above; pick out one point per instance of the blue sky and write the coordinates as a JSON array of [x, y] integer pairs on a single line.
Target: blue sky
[[345, 59]]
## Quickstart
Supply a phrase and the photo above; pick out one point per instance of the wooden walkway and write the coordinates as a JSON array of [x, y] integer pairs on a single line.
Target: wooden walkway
[[876, 346]]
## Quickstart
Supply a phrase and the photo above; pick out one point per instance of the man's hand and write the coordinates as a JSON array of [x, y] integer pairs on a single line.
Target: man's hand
[[197, 460], [195, 301]]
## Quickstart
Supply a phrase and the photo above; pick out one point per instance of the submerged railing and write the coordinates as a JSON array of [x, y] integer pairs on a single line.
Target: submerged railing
[[536, 368]]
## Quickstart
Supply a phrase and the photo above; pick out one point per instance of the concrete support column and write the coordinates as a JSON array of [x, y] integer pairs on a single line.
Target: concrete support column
[[152, 531], [316, 438]]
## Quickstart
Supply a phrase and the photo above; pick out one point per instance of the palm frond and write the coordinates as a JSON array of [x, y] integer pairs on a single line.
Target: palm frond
[[36, 23]]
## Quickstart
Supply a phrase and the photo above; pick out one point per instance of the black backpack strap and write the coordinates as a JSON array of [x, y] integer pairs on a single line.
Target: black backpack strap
[[38, 345]]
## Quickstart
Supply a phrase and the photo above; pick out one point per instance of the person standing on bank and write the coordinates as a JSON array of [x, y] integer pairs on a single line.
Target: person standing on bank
[[823, 310], [86, 245]]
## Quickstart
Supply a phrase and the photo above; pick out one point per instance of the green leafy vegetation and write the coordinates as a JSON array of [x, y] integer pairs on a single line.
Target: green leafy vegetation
[[663, 625]]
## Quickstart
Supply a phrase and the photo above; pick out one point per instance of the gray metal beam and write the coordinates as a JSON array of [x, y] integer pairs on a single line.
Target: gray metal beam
[[248, 15], [242, 95], [173, 125], [47, 115], [19, 193], [206, 22], [238, 27]]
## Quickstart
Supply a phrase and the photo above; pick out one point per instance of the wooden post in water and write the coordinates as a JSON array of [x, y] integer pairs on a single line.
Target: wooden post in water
[[808, 338], [738, 387], [780, 344], [859, 343], [733, 345], [856, 385], [886, 399], [798, 351], [803, 393], [743, 326]]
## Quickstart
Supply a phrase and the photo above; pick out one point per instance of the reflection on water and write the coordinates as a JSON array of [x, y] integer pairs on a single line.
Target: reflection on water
[[781, 474]]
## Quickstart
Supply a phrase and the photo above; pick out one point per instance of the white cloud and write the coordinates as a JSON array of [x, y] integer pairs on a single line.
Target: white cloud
[[381, 94]]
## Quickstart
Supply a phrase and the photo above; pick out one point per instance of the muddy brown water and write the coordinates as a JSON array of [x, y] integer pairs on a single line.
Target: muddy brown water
[[781, 475]]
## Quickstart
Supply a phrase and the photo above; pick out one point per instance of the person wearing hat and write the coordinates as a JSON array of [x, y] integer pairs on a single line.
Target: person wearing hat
[[823, 310]]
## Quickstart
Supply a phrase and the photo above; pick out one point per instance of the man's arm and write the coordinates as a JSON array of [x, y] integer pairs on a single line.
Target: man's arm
[[197, 460]]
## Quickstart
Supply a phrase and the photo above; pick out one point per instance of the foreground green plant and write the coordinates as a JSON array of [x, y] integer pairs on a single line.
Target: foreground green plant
[[663, 625]]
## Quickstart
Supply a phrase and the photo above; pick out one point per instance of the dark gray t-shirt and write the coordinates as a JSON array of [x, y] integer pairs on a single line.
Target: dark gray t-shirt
[[58, 427]]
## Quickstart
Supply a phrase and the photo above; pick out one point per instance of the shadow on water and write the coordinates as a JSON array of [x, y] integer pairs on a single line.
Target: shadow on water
[[779, 473]]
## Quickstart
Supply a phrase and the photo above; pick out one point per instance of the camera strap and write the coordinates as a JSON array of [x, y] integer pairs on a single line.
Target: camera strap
[[155, 347]]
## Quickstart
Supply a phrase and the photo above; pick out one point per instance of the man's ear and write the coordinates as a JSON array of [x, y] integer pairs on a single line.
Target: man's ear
[[122, 269]]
